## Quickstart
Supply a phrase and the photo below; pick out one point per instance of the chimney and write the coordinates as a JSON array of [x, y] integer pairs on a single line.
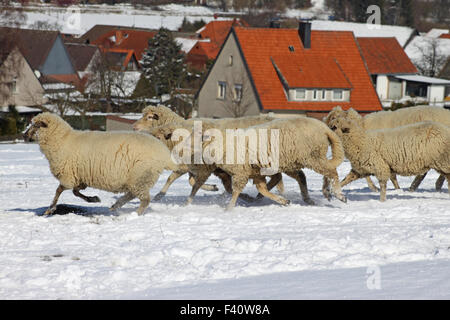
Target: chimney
[[275, 23], [304, 32]]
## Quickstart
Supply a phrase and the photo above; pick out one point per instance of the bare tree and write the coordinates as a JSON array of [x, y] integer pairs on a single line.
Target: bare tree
[[432, 58]]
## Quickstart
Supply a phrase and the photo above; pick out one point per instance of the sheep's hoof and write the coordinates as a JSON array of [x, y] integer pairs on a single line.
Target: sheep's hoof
[[309, 202], [159, 196], [285, 202], [50, 211], [94, 199], [259, 196], [246, 197], [342, 198], [188, 201]]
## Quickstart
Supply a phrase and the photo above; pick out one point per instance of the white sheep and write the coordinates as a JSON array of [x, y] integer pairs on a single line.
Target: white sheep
[[119, 162], [154, 116], [393, 119], [303, 143], [407, 150]]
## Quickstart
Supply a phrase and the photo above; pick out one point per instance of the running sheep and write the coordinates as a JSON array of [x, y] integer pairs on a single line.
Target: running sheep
[[302, 143], [407, 150], [393, 119], [119, 162], [155, 116]]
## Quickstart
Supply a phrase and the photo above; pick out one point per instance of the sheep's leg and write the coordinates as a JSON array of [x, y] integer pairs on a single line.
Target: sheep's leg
[[301, 180], [417, 181], [122, 200], [383, 185], [352, 176], [200, 179], [76, 192], [145, 201], [280, 185], [52, 207], [206, 187], [326, 188], [261, 185], [440, 182], [274, 181], [173, 176], [237, 186], [334, 177], [371, 185], [226, 181], [394, 181]]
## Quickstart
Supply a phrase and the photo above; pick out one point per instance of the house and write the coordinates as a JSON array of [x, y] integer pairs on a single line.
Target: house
[[84, 57], [125, 39], [285, 72], [19, 85], [386, 60], [210, 40]]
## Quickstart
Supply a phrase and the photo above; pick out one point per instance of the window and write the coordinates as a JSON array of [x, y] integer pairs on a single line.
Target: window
[[291, 48], [338, 95], [13, 86], [317, 94], [230, 60], [237, 92], [222, 90], [300, 94]]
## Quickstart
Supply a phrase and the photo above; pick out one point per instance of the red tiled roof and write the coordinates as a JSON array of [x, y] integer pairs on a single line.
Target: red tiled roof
[[216, 31], [445, 36], [303, 70], [259, 46], [385, 56], [126, 39]]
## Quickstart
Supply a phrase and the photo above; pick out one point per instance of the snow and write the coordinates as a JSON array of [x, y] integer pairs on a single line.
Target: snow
[[402, 34], [361, 249], [186, 43], [424, 79], [423, 44]]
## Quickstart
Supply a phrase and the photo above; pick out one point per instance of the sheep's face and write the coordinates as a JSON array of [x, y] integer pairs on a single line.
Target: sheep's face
[[336, 113], [341, 126], [150, 119], [32, 133]]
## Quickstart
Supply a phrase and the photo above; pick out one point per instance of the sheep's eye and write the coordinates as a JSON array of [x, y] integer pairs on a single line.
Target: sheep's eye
[[333, 128], [156, 117], [168, 136], [345, 130]]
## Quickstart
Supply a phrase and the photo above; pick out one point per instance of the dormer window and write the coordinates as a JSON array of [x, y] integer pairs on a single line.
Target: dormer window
[[291, 48], [338, 94]]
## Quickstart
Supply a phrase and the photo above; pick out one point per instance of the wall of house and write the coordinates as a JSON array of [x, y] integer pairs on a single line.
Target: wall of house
[[58, 60], [382, 86], [210, 105], [436, 93], [28, 92]]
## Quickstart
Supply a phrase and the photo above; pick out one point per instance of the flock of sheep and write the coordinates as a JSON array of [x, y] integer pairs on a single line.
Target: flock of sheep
[[407, 142]]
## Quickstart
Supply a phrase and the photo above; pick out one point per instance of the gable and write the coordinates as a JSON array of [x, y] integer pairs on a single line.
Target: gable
[[58, 60]]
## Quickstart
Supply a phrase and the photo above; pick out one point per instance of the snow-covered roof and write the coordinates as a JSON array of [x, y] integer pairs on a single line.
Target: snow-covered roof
[[402, 34], [21, 109], [429, 80], [435, 33], [186, 43]]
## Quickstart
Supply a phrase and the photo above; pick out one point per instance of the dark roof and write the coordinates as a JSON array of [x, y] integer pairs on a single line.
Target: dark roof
[[98, 30], [385, 56], [34, 44], [81, 54]]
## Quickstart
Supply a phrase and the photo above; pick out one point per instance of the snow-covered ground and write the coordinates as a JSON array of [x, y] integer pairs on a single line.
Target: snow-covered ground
[[361, 249]]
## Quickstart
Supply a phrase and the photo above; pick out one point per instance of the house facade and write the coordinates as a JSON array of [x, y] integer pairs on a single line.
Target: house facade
[[287, 72], [19, 85]]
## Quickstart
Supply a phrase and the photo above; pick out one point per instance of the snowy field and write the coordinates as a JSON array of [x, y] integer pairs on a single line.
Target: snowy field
[[363, 249]]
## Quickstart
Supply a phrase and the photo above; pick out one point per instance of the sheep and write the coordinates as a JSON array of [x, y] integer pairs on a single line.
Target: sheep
[[201, 171], [160, 115], [303, 142], [392, 119], [118, 162], [407, 150]]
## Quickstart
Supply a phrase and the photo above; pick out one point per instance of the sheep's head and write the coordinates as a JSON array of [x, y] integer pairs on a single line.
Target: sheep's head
[[353, 115], [342, 126], [43, 125], [335, 113], [153, 117]]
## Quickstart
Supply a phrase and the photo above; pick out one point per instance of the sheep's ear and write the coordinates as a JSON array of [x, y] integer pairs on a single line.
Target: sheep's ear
[[167, 136], [40, 124], [345, 130]]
